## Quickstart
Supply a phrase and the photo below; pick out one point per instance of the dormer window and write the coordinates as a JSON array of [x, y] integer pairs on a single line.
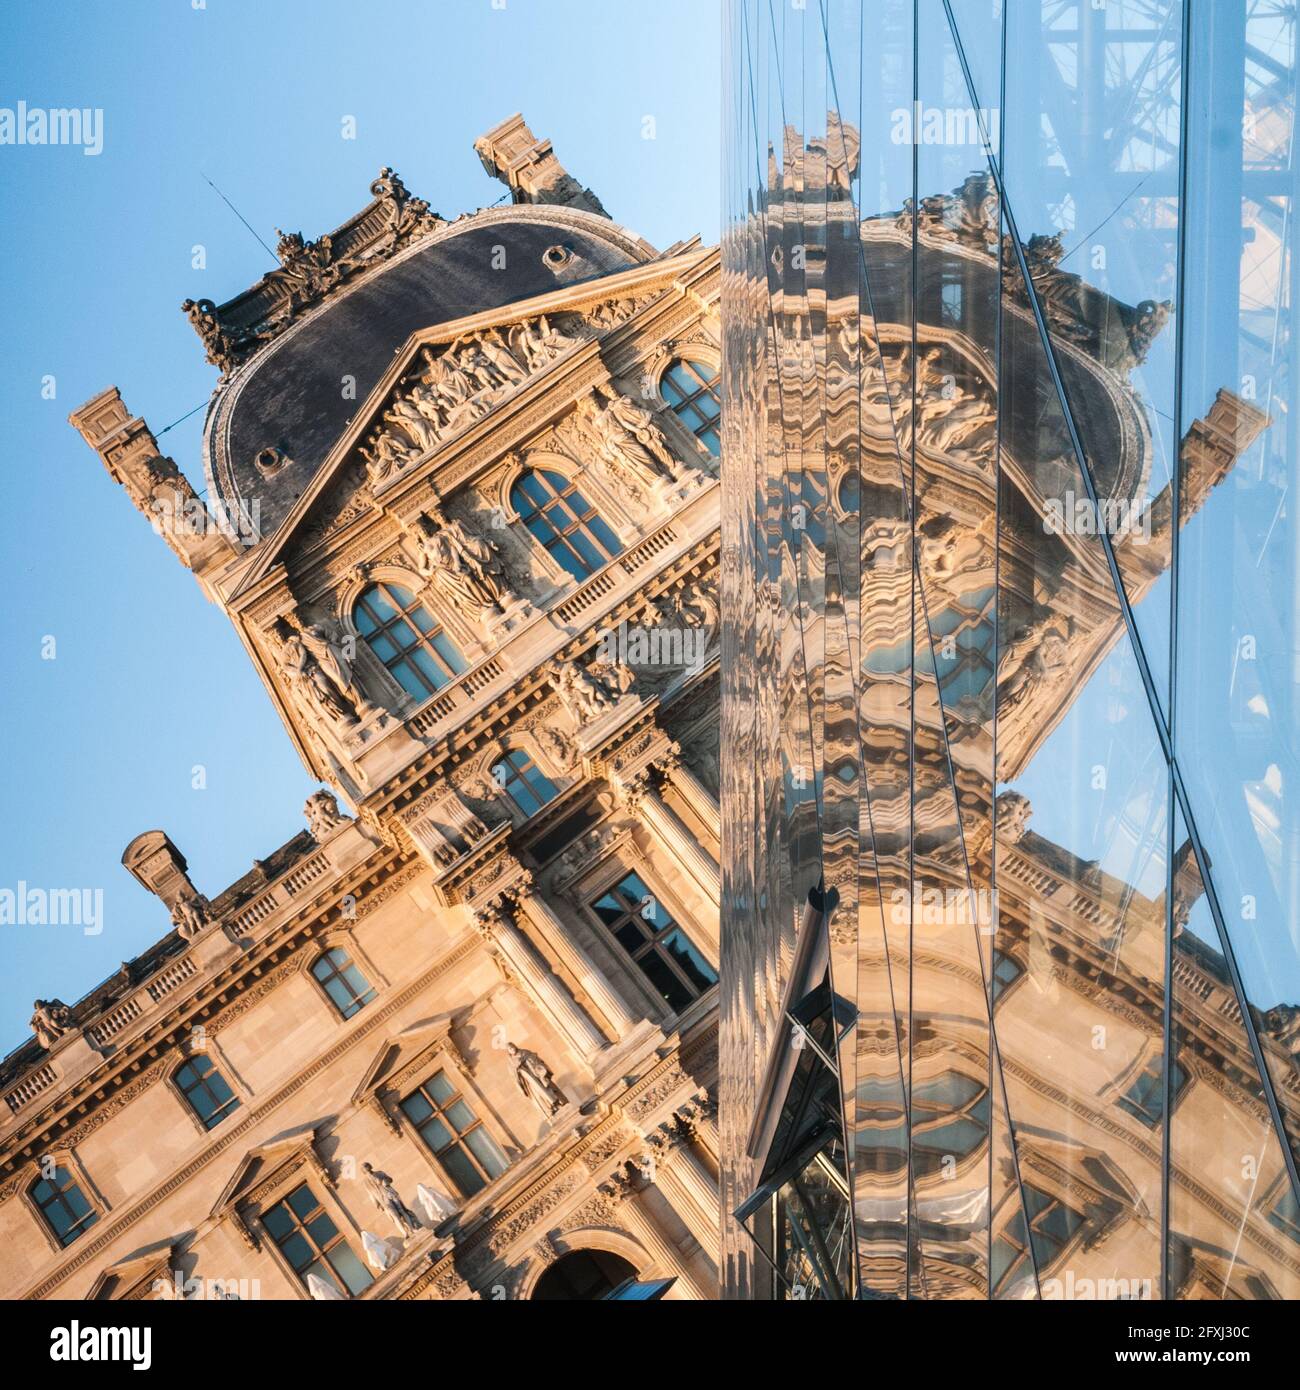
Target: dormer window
[[404, 635]]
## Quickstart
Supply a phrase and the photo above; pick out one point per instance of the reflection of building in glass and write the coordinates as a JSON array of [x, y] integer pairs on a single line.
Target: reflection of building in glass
[[1009, 975]]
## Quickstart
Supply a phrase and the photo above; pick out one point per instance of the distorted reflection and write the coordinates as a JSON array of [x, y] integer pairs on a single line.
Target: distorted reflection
[[1009, 675]]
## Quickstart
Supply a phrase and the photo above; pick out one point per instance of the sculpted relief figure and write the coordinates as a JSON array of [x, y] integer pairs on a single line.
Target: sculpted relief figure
[[191, 915], [331, 653], [584, 698], [536, 1081], [315, 692], [50, 1021], [385, 1197], [465, 567], [384, 456], [625, 441], [323, 814], [1037, 657]]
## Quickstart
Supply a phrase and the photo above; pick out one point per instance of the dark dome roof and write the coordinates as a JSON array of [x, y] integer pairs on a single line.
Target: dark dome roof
[[289, 396]]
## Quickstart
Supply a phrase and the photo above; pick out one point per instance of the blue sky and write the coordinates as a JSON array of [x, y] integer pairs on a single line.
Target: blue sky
[[148, 681]]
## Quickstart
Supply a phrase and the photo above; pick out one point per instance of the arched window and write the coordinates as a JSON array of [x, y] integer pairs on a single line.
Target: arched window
[[519, 777], [63, 1205], [347, 987], [404, 636], [206, 1091], [691, 390], [564, 521]]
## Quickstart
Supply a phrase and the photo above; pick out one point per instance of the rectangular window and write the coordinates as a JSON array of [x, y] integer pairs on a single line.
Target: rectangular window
[[642, 925], [308, 1238], [63, 1205], [455, 1135]]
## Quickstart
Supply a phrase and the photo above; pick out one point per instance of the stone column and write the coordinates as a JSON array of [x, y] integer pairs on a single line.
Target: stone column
[[689, 1186], [553, 927], [495, 926], [643, 1226], [696, 795], [642, 800]]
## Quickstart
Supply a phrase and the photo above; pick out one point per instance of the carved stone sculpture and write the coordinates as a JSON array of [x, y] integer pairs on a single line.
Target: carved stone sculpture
[[323, 814], [535, 1080], [462, 566], [191, 915], [325, 643], [386, 1198], [616, 444], [584, 698], [639, 423], [50, 1021]]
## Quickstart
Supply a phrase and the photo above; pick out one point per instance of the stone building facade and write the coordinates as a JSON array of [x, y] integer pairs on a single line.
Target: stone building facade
[[462, 510]]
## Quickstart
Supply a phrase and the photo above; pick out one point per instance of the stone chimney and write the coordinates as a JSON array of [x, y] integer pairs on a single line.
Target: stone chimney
[[156, 863], [529, 169], [156, 486]]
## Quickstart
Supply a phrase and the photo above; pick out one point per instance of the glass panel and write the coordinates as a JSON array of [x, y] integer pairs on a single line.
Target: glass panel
[[484, 1148], [461, 1171]]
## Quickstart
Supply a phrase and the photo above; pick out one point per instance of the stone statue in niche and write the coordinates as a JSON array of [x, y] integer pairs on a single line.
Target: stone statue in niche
[[50, 1021], [330, 650], [191, 915], [536, 1081], [323, 814], [584, 698], [1038, 657], [616, 444], [385, 1196], [463, 566], [639, 423], [313, 691]]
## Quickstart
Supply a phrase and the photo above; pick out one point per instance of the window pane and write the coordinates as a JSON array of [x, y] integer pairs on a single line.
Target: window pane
[[660, 975], [484, 1148], [440, 1088], [461, 1171], [353, 1273], [689, 960]]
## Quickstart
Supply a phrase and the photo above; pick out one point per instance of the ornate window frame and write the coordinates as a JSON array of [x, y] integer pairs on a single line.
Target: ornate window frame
[[290, 1163], [186, 1052], [64, 1156], [613, 867], [394, 694], [611, 509], [655, 368], [345, 937], [481, 779], [385, 1090]]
